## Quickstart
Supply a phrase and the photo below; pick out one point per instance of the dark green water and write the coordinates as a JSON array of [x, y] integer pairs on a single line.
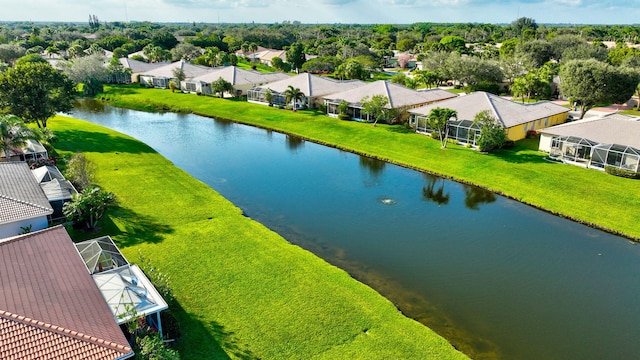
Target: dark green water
[[497, 278]]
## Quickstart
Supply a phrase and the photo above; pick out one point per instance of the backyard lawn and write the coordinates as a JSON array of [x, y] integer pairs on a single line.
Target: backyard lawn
[[243, 292], [586, 195]]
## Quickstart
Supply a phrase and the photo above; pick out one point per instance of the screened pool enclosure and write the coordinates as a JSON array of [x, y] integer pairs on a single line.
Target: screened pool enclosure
[[462, 131], [592, 154]]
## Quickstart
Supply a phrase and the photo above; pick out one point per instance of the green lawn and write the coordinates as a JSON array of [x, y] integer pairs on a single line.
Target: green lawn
[[243, 292], [586, 195]]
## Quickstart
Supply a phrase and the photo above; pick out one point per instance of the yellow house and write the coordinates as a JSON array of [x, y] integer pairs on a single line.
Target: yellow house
[[517, 119]]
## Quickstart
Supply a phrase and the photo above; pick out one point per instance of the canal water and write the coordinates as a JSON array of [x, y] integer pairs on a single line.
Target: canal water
[[499, 279]]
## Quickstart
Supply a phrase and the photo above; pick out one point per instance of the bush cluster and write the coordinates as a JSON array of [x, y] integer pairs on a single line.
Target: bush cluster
[[621, 172]]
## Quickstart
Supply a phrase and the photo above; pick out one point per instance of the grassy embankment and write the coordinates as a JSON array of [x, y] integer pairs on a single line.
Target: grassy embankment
[[243, 291], [588, 196]]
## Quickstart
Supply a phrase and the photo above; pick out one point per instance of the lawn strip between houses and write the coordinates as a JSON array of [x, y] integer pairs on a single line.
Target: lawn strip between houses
[[585, 195], [242, 290]]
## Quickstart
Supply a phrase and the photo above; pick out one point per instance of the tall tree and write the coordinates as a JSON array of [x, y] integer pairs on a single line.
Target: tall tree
[[492, 135], [221, 86], [376, 107], [293, 95], [296, 56], [13, 134], [438, 120], [88, 70], [35, 91], [591, 82]]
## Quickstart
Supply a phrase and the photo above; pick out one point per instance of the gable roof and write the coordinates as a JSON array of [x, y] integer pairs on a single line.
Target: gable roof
[[509, 113], [398, 95], [313, 85], [166, 71], [139, 66], [238, 76], [610, 129], [20, 194], [25, 338], [46, 284]]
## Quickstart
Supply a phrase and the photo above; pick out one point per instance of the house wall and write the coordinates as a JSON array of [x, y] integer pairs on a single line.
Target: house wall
[[519, 132], [545, 142], [14, 228]]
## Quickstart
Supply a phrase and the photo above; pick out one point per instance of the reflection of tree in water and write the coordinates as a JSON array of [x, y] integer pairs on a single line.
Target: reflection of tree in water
[[374, 166], [294, 142], [433, 192], [223, 125], [474, 196], [89, 105]]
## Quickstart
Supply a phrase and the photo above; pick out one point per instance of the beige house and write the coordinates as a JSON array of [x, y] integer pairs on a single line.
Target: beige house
[[241, 79], [611, 140], [517, 119], [161, 76], [312, 86], [399, 97]]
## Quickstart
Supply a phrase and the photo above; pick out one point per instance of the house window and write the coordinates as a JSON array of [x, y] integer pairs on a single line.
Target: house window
[[546, 121]]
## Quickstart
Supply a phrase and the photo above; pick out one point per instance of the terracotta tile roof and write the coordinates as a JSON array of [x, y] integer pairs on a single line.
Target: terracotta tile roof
[[23, 338], [44, 278], [20, 194]]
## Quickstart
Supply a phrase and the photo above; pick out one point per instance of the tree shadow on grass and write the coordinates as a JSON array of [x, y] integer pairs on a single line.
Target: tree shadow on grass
[[226, 340], [198, 342], [134, 228], [400, 129], [518, 157], [85, 141]]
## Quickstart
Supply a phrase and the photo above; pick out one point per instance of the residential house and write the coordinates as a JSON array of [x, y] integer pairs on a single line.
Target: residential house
[[517, 119], [23, 204], [399, 97], [57, 189], [312, 86], [162, 76], [610, 140], [134, 69], [125, 288], [50, 307], [32, 150], [241, 79]]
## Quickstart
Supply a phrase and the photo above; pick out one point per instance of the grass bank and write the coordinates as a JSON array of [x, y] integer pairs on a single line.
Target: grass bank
[[585, 195], [243, 291]]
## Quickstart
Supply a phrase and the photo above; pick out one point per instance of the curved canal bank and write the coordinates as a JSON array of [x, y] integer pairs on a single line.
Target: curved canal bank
[[243, 291], [590, 197], [489, 265]]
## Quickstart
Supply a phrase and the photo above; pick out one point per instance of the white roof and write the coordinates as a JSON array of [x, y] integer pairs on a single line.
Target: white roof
[[126, 287], [610, 129], [166, 71], [139, 66], [238, 76], [58, 189], [398, 95], [313, 85], [509, 113]]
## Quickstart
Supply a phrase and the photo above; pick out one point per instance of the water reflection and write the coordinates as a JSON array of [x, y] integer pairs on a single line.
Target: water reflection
[[434, 193], [294, 142], [475, 196]]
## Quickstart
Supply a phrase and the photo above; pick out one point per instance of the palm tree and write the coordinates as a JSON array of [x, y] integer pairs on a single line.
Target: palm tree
[[438, 121], [211, 55], [293, 95], [13, 134]]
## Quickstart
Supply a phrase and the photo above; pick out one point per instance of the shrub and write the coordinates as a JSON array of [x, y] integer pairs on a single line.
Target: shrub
[[344, 117], [621, 172], [80, 171]]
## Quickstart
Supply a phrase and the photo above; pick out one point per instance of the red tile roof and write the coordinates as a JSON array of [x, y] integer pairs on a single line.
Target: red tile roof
[[23, 338], [43, 278]]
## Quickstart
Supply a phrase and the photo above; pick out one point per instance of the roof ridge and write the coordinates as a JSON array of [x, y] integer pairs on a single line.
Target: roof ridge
[[64, 331], [386, 89], [24, 202], [493, 107]]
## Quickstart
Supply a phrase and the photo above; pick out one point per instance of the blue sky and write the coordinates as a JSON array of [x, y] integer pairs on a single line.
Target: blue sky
[[326, 11]]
